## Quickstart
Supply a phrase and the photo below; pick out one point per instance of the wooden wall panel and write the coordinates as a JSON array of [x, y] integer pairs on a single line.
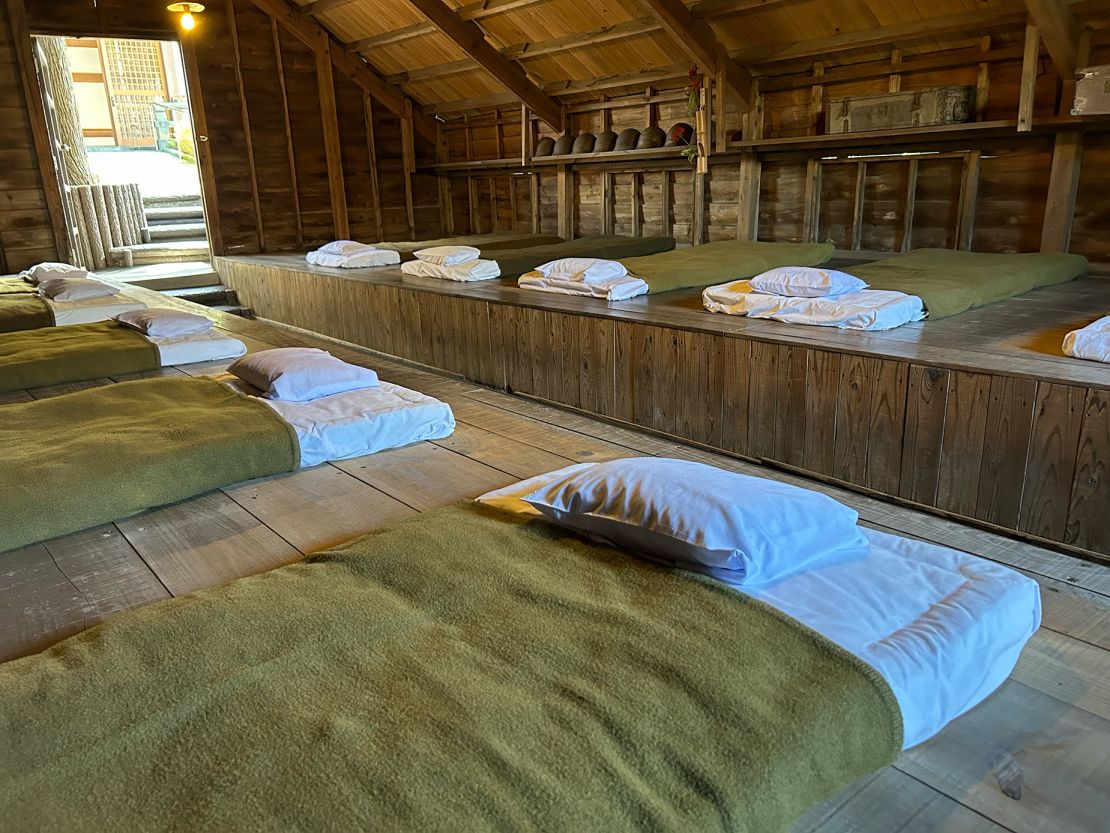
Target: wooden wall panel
[[781, 200], [885, 187], [937, 203], [361, 198], [1013, 187], [1091, 229]]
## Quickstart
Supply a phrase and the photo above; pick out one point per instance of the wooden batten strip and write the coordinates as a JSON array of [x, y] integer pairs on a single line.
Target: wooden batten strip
[[333, 148], [1029, 65], [283, 90], [237, 63], [371, 148]]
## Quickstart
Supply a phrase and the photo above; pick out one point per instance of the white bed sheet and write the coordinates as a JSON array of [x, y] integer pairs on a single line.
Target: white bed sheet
[[1091, 342], [942, 627], [359, 422], [471, 270], [867, 309], [207, 346], [362, 260], [614, 289], [91, 311]]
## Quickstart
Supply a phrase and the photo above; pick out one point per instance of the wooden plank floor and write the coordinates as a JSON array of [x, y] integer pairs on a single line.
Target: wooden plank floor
[[1034, 758]]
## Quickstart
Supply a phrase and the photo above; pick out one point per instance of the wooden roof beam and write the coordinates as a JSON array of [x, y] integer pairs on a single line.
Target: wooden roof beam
[[472, 40], [471, 11], [318, 39], [321, 6], [696, 38], [1059, 32]]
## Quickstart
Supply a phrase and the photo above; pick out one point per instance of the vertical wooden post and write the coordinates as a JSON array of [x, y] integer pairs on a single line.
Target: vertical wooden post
[[499, 132], [472, 198], [233, 31], [371, 149], [204, 153], [812, 201], [895, 82], [333, 148], [1029, 64], [666, 199], [1063, 184], [637, 204], [983, 83], [607, 219], [527, 137], [493, 203], [534, 197], [747, 215], [969, 195], [857, 206], [816, 100], [280, 66], [565, 197], [408, 159], [51, 184], [911, 201]]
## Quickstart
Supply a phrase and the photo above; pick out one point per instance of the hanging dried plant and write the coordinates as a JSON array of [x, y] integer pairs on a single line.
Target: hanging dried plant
[[693, 90]]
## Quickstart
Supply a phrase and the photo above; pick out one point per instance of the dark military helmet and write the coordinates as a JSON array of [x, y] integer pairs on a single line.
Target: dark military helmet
[[563, 144], [652, 137], [627, 139], [680, 134], [605, 141], [583, 143], [544, 147]]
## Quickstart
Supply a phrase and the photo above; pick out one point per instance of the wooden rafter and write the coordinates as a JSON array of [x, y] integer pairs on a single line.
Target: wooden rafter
[[528, 51], [318, 39], [321, 6], [471, 11], [469, 37], [1058, 31], [696, 38]]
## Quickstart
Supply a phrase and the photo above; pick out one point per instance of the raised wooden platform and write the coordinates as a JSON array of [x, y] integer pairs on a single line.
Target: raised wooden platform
[[1032, 758], [979, 416]]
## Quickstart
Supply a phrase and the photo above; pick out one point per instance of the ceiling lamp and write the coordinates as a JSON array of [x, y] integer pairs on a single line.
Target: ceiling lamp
[[186, 10]]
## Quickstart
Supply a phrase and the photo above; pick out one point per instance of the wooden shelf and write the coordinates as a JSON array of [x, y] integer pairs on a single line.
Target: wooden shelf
[[648, 154]]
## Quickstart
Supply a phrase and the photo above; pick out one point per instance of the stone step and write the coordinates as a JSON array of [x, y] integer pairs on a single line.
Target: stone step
[[234, 309], [210, 296], [175, 200], [164, 252], [168, 276], [177, 231], [174, 214]]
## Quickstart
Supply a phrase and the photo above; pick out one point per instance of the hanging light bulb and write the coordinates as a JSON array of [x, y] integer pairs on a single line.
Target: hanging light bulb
[[186, 10]]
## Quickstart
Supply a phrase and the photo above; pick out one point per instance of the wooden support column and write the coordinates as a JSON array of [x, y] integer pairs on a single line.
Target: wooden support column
[[969, 195], [534, 197], [637, 204], [666, 197], [747, 214], [204, 152], [983, 82], [895, 83], [288, 134], [911, 201], [408, 160], [333, 148], [607, 218], [817, 101], [1063, 185], [51, 184], [472, 198], [248, 143], [371, 149], [1029, 65], [527, 137], [857, 205], [811, 208], [565, 198]]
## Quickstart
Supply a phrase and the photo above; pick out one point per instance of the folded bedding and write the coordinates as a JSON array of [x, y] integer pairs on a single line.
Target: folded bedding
[[116, 450], [725, 260], [29, 311], [75, 353], [943, 628], [610, 289], [349, 254], [557, 685], [1091, 342], [24, 311], [865, 309], [516, 262], [477, 269], [15, 286], [950, 282], [494, 241]]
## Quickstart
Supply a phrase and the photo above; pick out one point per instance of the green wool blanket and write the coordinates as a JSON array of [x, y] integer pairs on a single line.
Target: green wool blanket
[[454, 672], [54, 355], [721, 262], [15, 286], [950, 282], [24, 311], [516, 262], [75, 461], [491, 242]]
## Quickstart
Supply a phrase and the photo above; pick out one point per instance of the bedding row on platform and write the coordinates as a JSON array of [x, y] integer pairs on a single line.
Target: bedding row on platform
[[641, 639]]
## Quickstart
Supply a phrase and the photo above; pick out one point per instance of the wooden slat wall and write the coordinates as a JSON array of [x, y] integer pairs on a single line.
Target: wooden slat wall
[[1019, 454], [26, 235], [270, 184]]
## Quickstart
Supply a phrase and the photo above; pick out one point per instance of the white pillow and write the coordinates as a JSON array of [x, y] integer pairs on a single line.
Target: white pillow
[[806, 282], [345, 247], [43, 271], [698, 516], [447, 255], [585, 269], [75, 289], [298, 374], [164, 323]]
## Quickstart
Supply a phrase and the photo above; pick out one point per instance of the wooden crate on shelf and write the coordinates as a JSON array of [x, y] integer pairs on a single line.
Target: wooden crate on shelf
[[894, 111]]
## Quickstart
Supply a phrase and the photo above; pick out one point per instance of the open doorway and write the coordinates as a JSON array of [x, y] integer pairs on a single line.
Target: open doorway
[[118, 112]]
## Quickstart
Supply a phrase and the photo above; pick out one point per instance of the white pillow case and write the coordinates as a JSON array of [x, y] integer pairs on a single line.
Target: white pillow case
[[698, 516], [447, 255], [300, 374], [345, 247], [586, 269], [43, 271], [164, 323], [75, 289], [806, 282]]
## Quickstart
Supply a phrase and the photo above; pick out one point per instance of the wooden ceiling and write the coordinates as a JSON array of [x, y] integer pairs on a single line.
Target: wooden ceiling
[[560, 47]]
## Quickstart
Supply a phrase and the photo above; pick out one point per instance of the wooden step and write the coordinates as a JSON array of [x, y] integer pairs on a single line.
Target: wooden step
[[215, 295], [164, 252], [173, 213], [178, 231], [168, 276]]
